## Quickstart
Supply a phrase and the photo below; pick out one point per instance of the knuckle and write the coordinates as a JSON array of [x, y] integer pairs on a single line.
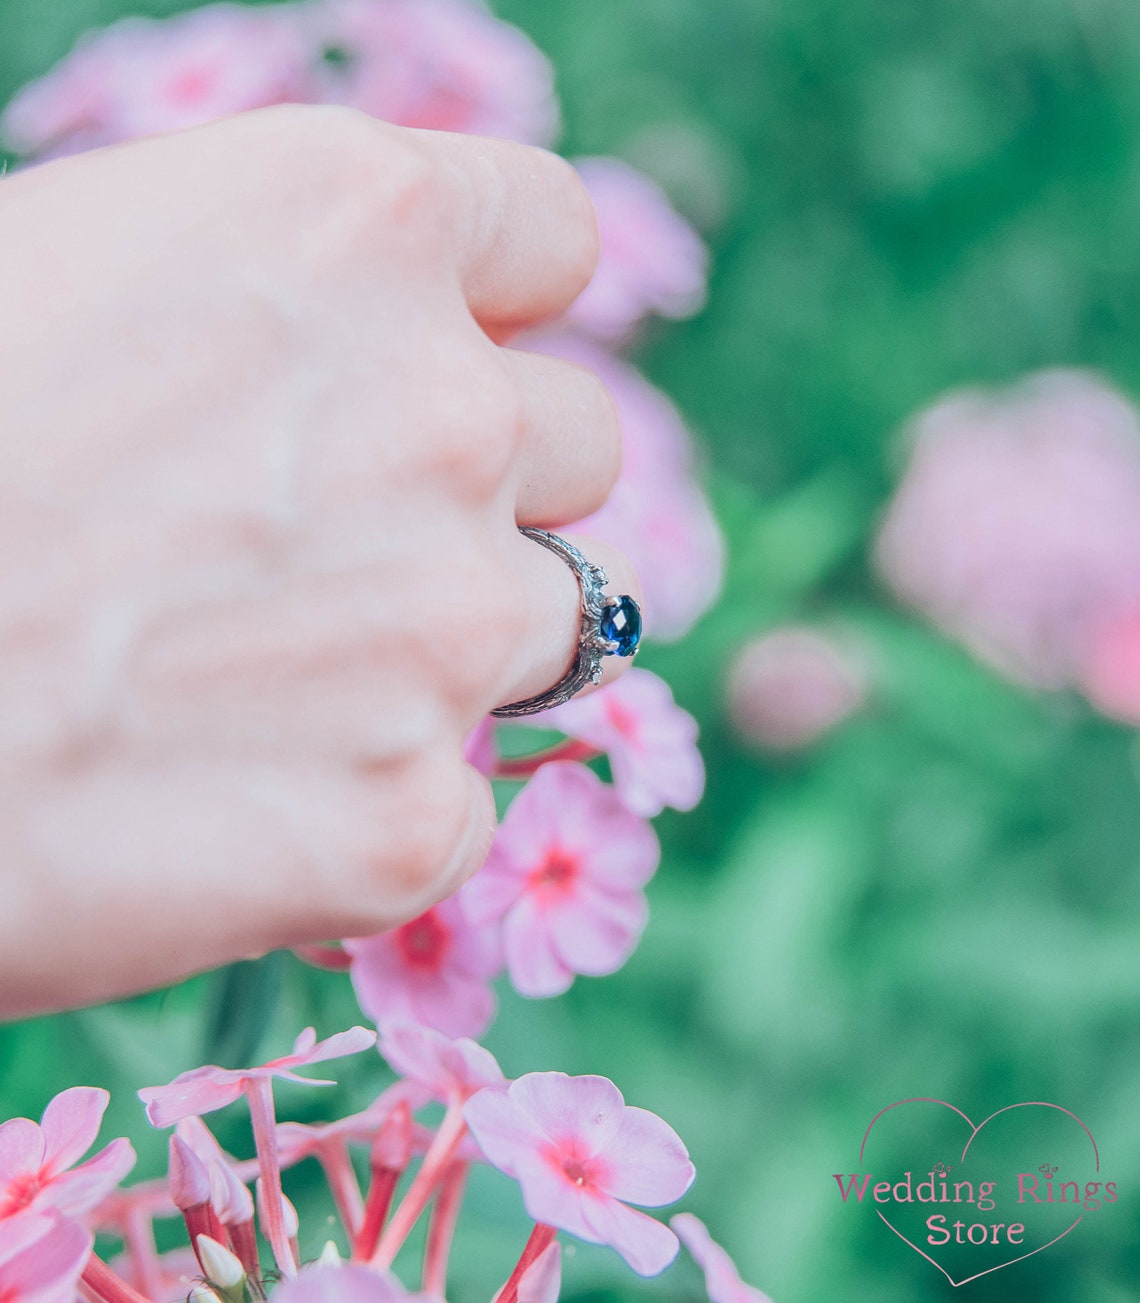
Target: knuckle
[[372, 185], [437, 815], [476, 422]]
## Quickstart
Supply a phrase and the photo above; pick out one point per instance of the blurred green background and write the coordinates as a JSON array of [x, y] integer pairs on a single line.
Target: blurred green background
[[941, 898]]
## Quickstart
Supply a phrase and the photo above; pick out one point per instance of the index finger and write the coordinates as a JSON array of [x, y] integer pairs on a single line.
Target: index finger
[[525, 228]]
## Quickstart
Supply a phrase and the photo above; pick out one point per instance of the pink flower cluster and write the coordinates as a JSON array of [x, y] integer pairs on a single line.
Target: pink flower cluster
[[563, 890], [1016, 529], [580, 1155]]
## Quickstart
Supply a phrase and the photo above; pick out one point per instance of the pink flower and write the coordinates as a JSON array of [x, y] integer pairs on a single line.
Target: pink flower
[[350, 1283], [791, 686], [480, 750], [1016, 527], [447, 1069], [652, 261], [651, 742], [142, 76], [37, 1163], [442, 64], [41, 1258], [565, 876], [434, 971], [656, 514], [722, 1281], [579, 1152], [201, 1090]]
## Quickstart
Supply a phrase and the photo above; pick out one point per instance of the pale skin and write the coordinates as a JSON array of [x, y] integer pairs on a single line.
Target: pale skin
[[263, 450]]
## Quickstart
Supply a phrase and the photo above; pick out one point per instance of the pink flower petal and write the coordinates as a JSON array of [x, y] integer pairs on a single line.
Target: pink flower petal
[[70, 1124], [79, 1190], [535, 969], [542, 1280], [18, 1231], [650, 1164], [199, 1091], [46, 1269], [303, 1045], [549, 1197], [647, 1245], [503, 1131], [352, 1041], [595, 934], [722, 1281], [347, 1283], [588, 1109], [443, 1066], [21, 1148]]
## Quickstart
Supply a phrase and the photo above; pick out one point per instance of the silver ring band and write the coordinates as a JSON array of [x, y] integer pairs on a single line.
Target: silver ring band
[[597, 612]]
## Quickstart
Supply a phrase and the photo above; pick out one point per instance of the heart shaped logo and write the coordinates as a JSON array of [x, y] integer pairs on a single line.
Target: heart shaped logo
[[974, 1198]]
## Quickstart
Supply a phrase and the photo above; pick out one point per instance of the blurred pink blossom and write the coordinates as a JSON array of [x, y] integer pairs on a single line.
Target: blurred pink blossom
[[565, 875], [38, 1169], [722, 1280], [479, 749], [1016, 527], [652, 261], [791, 686], [651, 742], [579, 1152], [656, 514], [41, 1258], [1109, 671], [447, 1069], [442, 64], [201, 1090], [141, 76], [435, 971], [347, 1283]]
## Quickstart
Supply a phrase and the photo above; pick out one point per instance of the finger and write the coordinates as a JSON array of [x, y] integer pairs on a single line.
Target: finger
[[550, 606], [571, 451], [524, 222], [187, 866]]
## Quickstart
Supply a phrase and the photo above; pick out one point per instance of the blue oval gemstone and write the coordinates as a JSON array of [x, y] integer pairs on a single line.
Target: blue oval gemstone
[[621, 623]]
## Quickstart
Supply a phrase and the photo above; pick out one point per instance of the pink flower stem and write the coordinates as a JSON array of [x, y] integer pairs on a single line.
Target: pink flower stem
[[441, 1228], [259, 1093], [380, 1192], [527, 766], [540, 1238], [243, 1241], [330, 957], [138, 1236], [338, 1169], [99, 1278], [436, 1162]]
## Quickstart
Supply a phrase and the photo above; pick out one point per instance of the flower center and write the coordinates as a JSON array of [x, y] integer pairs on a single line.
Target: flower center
[[556, 874], [192, 85], [424, 942], [622, 718], [19, 1193], [576, 1171]]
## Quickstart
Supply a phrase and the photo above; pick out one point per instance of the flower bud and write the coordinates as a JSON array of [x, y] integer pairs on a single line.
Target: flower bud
[[219, 1264]]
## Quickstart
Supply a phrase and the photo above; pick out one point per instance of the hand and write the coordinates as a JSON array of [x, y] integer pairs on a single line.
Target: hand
[[261, 465]]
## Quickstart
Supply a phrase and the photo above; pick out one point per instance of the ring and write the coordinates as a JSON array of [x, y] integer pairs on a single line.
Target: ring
[[609, 626]]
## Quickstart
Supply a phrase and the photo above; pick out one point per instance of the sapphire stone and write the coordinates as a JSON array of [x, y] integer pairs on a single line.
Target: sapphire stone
[[621, 623]]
